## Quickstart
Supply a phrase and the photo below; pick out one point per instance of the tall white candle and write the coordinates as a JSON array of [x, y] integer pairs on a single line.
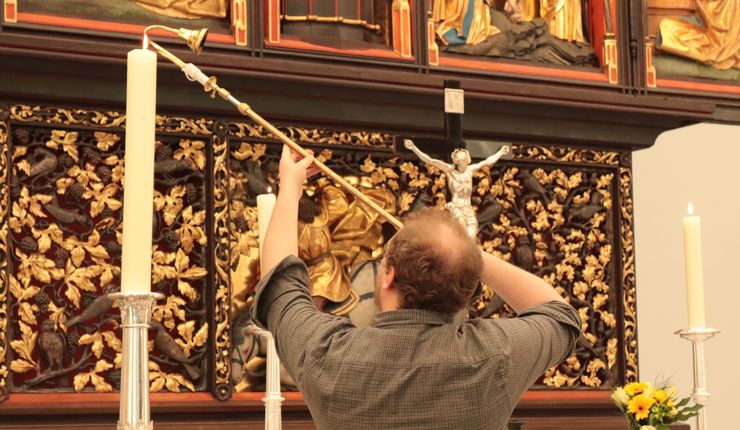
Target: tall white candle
[[138, 186], [265, 205], [693, 267]]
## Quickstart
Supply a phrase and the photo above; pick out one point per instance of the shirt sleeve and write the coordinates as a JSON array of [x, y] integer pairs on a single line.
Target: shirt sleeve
[[283, 306], [534, 341]]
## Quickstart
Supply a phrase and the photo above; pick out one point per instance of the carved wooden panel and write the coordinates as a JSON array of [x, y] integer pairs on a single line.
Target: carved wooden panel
[[563, 213]]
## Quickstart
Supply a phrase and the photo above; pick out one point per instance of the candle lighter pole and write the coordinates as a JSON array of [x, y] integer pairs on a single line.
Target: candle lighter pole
[[698, 336]]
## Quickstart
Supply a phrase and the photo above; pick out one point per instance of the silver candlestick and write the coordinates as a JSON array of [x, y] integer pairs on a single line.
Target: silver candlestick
[[697, 336], [273, 400], [136, 312]]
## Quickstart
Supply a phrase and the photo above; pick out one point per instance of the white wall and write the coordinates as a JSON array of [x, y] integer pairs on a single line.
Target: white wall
[[700, 164]]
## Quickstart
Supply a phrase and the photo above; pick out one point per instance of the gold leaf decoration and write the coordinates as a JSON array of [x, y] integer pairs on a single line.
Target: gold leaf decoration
[[192, 152], [94, 339], [185, 273], [105, 140], [171, 381], [191, 230], [188, 340], [82, 379], [102, 196], [66, 140], [171, 204]]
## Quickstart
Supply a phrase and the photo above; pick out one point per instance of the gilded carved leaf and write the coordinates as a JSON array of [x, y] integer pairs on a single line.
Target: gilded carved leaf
[[405, 201], [171, 204], [78, 249], [102, 197], [325, 155], [57, 315], [82, 379], [36, 266], [83, 176], [112, 340], [79, 278], [21, 293], [248, 150], [161, 265], [21, 366], [166, 313], [185, 273], [192, 152], [27, 312], [368, 166], [117, 168], [190, 340], [94, 339], [45, 237], [26, 344], [66, 140], [191, 230], [172, 381], [105, 140]]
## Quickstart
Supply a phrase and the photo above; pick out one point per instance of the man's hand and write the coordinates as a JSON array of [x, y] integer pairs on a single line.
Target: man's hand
[[294, 171]]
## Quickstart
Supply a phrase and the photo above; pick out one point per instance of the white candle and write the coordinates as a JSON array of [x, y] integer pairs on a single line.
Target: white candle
[[693, 267], [265, 205], [138, 186]]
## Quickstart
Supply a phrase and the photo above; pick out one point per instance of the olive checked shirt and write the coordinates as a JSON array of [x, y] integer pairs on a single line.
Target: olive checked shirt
[[412, 368]]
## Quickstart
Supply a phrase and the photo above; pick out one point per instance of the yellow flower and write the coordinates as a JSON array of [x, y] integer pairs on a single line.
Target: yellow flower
[[640, 406], [635, 388], [647, 428], [661, 396]]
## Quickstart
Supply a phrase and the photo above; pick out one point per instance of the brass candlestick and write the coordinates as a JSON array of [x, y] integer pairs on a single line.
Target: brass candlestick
[[195, 40]]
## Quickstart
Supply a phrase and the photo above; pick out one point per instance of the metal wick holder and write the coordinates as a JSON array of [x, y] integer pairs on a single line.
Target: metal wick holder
[[136, 312], [697, 336]]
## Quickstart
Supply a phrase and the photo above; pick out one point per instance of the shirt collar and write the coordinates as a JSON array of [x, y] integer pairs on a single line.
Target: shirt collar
[[416, 316]]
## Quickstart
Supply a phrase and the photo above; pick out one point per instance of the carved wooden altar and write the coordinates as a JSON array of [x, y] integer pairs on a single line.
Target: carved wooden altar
[[561, 207]]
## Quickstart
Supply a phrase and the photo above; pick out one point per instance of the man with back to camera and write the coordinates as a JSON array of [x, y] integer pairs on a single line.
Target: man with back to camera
[[421, 364]]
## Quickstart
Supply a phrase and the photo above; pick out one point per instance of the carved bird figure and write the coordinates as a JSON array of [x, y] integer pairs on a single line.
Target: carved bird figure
[[52, 345], [523, 253], [98, 307], [165, 344], [64, 215], [585, 212], [45, 164], [490, 210], [171, 166]]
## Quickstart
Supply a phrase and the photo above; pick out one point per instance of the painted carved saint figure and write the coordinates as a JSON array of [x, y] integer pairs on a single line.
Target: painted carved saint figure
[[460, 181], [189, 9], [548, 31], [712, 37], [563, 17]]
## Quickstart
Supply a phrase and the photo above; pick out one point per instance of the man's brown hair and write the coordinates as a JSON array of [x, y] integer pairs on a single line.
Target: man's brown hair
[[438, 266]]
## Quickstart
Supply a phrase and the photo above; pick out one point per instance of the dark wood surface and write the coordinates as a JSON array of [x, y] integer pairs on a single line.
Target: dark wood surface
[[394, 98], [185, 411]]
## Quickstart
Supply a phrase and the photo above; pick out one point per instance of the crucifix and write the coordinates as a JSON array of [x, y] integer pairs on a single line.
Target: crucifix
[[460, 171]]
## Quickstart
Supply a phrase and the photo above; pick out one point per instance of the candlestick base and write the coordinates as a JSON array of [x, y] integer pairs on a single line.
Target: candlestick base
[[698, 336], [136, 312]]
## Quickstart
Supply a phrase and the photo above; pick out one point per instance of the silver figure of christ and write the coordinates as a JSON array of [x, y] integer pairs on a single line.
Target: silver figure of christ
[[459, 181]]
